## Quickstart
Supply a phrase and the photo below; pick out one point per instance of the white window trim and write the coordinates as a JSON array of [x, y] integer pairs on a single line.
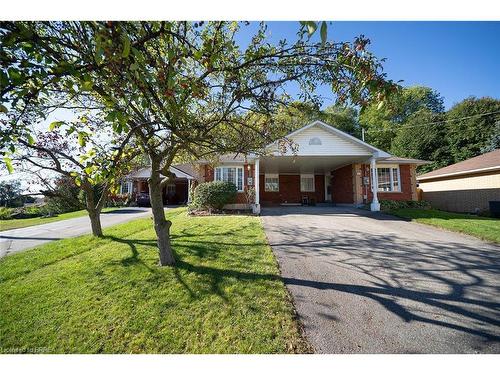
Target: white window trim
[[313, 184], [129, 186], [390, 167], [236, 175], [271, 175]]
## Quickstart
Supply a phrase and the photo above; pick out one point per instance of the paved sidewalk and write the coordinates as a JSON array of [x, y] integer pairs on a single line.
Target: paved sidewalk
[[15, 240]]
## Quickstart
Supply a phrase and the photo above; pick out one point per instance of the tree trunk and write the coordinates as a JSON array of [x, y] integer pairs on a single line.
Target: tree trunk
[[93, 211], [95, 222], [162, 226]]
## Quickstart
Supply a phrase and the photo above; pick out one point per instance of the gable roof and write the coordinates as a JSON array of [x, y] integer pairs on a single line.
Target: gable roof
[[481, 163], [180, 170], [337, 132], [187, 168]]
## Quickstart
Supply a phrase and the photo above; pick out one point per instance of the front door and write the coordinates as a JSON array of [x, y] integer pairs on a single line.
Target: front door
[[328, 188]]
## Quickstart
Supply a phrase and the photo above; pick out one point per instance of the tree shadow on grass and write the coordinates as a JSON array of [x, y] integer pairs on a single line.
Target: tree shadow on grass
[[215, 276], [392, 294]]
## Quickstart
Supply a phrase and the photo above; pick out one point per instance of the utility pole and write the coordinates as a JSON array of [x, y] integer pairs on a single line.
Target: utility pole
[[363, 134]]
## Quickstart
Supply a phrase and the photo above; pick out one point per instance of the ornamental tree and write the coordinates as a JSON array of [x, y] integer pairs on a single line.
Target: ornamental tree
[[95, 162], [182, 88]]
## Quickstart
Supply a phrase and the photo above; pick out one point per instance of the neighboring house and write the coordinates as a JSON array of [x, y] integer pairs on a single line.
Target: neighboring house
[[467, 186], [328, 166], [175, 193]]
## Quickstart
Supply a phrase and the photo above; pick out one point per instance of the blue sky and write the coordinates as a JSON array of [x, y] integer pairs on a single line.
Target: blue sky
[[458, 59]]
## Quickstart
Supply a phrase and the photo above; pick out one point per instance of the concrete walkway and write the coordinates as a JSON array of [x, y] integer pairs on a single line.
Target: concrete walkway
[[371, 283], [15, 240]]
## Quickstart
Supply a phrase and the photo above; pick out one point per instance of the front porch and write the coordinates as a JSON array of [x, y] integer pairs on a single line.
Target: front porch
[[174, 193], [287, 180], [317, 164]]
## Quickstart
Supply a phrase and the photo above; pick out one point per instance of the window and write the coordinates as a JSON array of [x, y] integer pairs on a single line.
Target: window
[[315, 141], [126, 187], [395, 179], [171, 189], [230, 174], [271, 182], [388, 179], [307, 182]]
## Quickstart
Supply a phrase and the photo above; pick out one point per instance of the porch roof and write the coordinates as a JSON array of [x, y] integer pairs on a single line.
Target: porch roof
[[307, 164], [144, 173]]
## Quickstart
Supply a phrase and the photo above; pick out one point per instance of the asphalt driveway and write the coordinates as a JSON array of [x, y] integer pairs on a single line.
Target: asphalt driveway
[[370, 283], [15, 240]]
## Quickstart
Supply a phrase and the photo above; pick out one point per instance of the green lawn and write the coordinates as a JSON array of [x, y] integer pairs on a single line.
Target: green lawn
[[22, 223], [88, 295], [483, 227]]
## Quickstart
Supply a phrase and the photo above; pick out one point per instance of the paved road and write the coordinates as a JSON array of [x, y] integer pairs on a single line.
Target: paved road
[[14, 240], [368, 283]]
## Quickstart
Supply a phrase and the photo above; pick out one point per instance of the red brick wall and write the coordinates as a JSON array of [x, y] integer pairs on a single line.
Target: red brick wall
[[208, 175], [289, 190], [342, 188], [404, 194]]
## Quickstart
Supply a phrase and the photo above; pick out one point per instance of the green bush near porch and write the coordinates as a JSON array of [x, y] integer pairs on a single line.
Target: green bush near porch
[[387, 205], [108, 295], [213, 195]]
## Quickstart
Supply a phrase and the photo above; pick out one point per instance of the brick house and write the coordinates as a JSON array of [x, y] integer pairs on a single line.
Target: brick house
[[177, 192], [467, 186], [328, 165]]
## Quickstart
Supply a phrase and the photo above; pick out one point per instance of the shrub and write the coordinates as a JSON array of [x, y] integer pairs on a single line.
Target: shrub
[[386, 205], [118, 200], [28, 212], [5, 213], [23, 212], [213, 195]]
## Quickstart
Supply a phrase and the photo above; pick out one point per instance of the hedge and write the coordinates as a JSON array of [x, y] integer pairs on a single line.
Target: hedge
[[213, 195]]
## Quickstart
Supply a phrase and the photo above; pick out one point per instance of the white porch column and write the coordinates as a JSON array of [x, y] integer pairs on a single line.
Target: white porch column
[[256, 208], [375, 205], [189, 190]]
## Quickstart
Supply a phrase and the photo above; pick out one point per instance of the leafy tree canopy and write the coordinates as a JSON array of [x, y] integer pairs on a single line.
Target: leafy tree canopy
[[298, 114], [9, 192], [382, 122], [422, 136], [469, 128]]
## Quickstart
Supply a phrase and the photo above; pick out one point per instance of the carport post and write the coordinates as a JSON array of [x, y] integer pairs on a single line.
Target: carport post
[[256, 207], [375, 205]]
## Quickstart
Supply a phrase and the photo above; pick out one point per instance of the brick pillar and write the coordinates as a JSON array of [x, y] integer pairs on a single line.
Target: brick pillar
[[357, 181], [413, 181]]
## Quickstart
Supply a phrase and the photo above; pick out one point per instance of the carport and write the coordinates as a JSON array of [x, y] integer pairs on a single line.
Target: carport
[[177, 192]]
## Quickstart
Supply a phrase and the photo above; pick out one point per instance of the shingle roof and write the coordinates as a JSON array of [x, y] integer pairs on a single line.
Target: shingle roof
[[188, 168], [395, 159], [226, 158], [490, 160]]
